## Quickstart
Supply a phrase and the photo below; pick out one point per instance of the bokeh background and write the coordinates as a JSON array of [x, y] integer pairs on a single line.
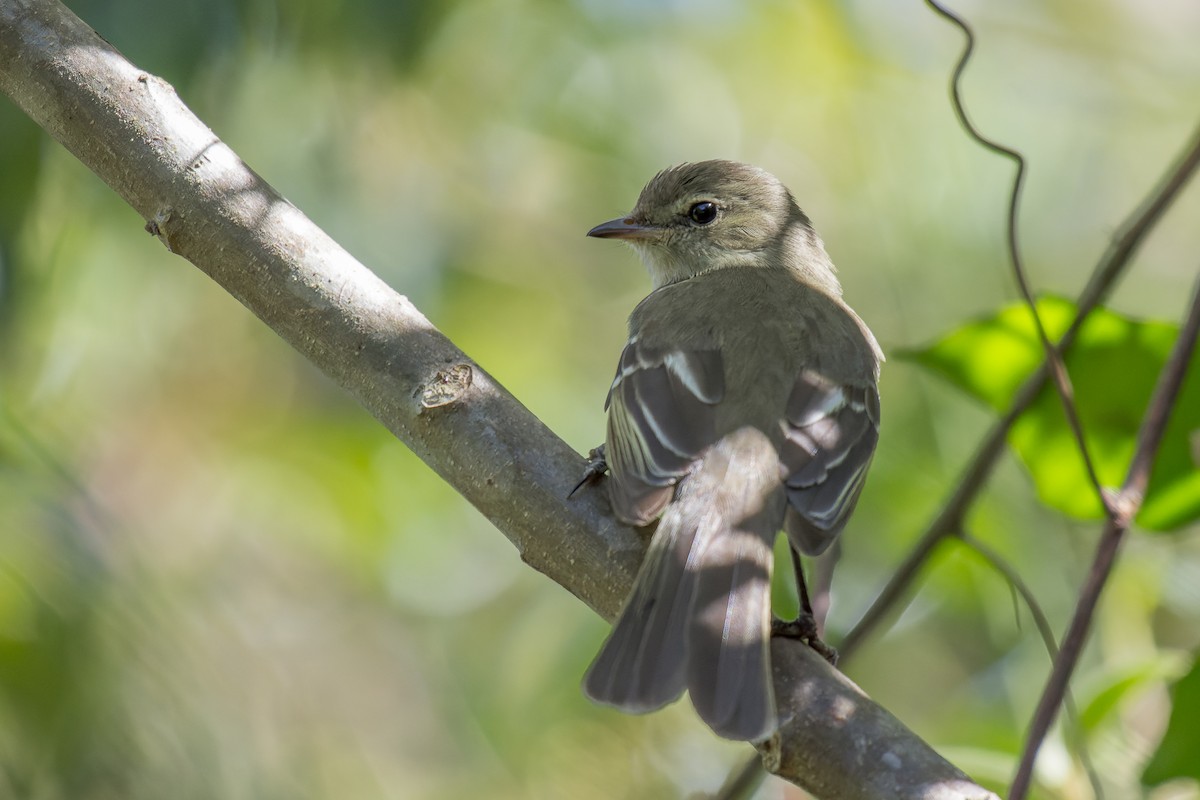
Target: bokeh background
[[219, 577]]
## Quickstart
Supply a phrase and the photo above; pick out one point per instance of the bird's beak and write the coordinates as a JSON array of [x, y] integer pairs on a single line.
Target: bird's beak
[[625, 228]]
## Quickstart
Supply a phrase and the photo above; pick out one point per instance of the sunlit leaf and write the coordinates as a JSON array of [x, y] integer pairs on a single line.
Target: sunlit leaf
[[1113, 367], [1176, 755], [990, 358]]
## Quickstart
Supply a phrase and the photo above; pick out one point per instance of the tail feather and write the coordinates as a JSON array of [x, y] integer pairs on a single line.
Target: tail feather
[[699, 615], [641, 666], [729, 668]]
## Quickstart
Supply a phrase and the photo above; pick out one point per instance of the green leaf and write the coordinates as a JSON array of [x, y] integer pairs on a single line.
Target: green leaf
[[1113, 367], [1116, 685], [1176, 756], [990, 357]]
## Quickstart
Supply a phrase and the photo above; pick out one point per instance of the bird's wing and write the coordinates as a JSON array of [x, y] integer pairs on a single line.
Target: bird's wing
[[661, 416], [830, 432]]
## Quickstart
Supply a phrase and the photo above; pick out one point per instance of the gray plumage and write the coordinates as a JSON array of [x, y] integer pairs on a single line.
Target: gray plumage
[[745, 401]]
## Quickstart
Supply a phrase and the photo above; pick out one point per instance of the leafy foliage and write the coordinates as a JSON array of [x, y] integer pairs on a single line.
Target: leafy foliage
[[1113, 366]]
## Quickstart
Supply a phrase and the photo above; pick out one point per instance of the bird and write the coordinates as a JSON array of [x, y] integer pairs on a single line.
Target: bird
[[745, 403]]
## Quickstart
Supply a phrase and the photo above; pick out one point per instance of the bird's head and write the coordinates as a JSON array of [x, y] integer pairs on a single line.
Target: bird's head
[[709, 215]]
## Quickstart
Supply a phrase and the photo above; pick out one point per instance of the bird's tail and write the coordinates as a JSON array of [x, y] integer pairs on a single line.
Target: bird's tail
[[700, 611]]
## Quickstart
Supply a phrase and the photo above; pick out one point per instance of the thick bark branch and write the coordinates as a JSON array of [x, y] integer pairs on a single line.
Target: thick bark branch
[[205, 204]]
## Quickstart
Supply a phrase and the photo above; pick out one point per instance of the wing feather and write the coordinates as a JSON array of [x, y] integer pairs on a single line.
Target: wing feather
[[661, 417], [830, 432]]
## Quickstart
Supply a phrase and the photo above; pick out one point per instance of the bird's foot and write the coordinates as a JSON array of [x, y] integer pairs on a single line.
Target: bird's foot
[[804, 628], [595, 468]]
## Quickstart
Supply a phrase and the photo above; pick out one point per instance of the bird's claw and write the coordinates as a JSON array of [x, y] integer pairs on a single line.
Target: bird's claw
[[804, 629], [596, 466]]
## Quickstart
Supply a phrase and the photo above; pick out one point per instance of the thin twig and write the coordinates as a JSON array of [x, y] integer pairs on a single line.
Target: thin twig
[[743, 781], [1131, 235], [1042, 623], [1058, 370], [1129, 501], [1009, 573], [822, 588], [949, 518]]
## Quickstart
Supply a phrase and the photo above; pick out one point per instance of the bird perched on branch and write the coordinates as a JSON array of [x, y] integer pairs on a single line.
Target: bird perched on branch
[[745, 402]]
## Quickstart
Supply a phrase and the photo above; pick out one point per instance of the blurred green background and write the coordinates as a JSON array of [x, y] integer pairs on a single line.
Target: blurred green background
[[220, 578]]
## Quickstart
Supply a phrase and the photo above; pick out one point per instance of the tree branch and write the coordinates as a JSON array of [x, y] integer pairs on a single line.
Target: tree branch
[[206, 205]]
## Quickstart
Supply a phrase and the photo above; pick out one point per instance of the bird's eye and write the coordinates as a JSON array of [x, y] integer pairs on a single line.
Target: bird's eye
[[703, 212]]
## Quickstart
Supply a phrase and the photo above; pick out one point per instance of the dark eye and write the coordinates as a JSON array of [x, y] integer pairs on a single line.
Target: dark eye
[[703, 212]]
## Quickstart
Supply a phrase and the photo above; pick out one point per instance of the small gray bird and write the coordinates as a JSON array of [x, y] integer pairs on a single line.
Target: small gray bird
[[745, 402]]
